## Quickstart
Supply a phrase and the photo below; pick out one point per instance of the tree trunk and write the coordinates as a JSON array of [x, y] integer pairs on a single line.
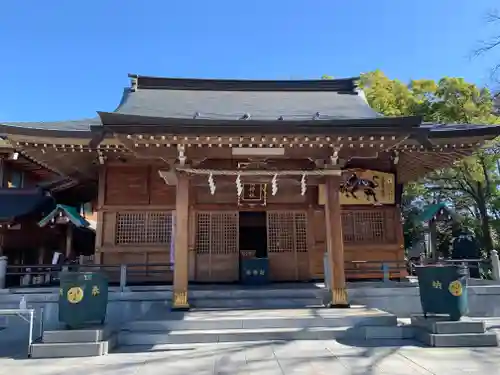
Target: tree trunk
[[485, 221]]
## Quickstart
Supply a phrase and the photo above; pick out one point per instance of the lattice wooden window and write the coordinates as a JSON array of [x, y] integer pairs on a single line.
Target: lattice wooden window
[[139, 228], [301, 232], [363, 226], [202, 241], [217, 232], [287, 232]]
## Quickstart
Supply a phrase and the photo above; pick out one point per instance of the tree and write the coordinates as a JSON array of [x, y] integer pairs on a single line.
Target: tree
[[492, 43], [471, 185]]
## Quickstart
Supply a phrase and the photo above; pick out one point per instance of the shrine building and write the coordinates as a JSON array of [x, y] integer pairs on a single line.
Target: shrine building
[[207, 173]]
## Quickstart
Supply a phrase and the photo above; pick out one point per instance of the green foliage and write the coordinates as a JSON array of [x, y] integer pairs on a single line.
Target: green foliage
[[471, 186]]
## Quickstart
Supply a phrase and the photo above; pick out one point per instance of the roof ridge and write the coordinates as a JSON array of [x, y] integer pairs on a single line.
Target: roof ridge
[[341, 85]]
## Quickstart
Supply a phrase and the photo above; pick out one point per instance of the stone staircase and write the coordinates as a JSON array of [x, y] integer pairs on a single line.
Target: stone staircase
[[211, 326], [62, 343]]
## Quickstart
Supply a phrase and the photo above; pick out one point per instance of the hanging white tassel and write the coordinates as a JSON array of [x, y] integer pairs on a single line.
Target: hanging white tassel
[[274, 185], [239, 186], [211, 184], [303, 185]]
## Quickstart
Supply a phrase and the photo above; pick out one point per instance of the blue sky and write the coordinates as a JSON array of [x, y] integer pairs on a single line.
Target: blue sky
[[67, 59]]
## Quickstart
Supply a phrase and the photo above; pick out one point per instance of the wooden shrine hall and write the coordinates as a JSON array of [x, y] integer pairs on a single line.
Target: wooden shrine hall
[[210, 174]]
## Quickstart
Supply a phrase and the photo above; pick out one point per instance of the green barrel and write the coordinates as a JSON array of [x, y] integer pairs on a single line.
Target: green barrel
[[83, 298], [443, 290]]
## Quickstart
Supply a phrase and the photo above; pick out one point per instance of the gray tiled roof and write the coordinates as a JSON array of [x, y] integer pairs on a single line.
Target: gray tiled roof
[[232, 105], [70, 125]]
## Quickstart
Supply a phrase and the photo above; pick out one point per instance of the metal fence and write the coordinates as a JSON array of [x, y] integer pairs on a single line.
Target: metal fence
[[162, 273], [118, 274]]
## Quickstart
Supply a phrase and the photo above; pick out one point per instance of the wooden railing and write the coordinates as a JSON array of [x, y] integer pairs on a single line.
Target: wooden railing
[[375, 269]]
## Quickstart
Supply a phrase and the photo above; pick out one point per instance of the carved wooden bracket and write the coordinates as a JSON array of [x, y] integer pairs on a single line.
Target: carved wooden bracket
[[170, 177]]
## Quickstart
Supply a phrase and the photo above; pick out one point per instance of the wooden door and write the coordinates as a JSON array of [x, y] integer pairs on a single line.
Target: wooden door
[[287, 245], [216, 246]]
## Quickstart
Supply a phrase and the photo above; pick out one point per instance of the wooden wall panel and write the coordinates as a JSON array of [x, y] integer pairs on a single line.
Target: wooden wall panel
[[108, 229], [159, 273], [160, 193], [371, 259], [281, 267], [375, 252], [316, 252], [126, 185], [223, 194]]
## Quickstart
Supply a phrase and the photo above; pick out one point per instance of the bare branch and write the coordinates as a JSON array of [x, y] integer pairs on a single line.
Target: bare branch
[[493, 17], [487, 46]]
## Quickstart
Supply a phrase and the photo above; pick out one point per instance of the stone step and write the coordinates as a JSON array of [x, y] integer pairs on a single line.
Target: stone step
[[260, 323], [250, 335], [74, 349], [442, 325], [91, 335], [387, 332], [456, 340], [266, 292], [256, 303], [161, 319]]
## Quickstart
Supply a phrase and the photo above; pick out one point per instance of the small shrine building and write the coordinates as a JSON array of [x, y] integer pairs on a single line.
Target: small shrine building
[[204, 173]]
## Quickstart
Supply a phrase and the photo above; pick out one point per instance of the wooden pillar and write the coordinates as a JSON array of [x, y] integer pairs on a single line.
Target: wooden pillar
[[99, 230], [335, 242], [181, 245]]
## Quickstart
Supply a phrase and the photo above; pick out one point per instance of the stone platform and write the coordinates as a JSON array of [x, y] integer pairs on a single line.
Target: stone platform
[[441, 332]]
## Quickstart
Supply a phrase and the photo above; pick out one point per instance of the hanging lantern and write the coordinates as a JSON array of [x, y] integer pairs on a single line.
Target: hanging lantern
[[274, 185], [303, 185], [211, 184]]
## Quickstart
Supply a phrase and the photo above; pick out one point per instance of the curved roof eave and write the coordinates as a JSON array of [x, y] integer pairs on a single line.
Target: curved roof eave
[[81, 128], [119, 122]]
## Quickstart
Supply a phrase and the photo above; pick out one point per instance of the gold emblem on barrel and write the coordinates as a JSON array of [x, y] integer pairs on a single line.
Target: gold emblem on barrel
[[74, 295], [455, 288]]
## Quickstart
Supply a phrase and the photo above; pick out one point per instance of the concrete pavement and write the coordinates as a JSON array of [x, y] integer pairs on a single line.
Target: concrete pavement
[[272, 358]]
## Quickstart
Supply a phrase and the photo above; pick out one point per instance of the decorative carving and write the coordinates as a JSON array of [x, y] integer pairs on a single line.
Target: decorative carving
[[355, 183], [180, 299], [339, 297], [364, 187]]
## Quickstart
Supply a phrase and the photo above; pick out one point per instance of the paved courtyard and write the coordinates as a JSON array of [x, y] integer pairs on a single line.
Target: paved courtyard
[[277, 358]]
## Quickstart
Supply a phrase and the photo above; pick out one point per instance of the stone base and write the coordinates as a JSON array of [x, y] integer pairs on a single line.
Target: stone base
[[181, 308], [457, 340], [338, 306], [90, 334], [442, 325], [441, 332], [88, 342]]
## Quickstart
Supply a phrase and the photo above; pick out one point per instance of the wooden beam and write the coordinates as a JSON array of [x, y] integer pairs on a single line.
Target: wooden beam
[[335, 243], [181, 251]]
